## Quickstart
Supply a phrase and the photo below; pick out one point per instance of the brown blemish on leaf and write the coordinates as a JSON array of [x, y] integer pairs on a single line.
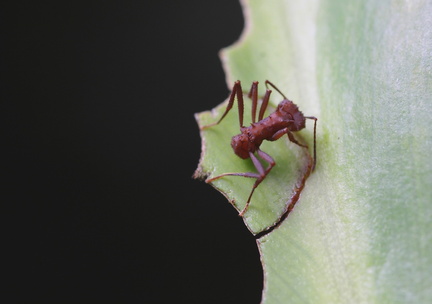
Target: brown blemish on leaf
[[199, 173], [294, 198]]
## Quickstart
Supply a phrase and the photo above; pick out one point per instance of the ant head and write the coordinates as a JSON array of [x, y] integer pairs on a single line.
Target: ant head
[[290, 111]]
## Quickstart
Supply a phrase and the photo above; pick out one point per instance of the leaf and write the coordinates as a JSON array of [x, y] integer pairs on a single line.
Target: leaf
[[361, 231]]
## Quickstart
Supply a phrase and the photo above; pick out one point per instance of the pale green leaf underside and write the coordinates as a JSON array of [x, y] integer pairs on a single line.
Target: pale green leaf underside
[[362, 230]]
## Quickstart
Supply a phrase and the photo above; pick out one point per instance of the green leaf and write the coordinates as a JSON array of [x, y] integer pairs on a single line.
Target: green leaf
[[361, 231]]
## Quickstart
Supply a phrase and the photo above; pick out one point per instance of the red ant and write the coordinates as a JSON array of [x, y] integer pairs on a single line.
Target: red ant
[[286, 119]]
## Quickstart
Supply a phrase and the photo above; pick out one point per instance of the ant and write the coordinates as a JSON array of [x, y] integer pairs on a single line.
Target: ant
[[286, 119]]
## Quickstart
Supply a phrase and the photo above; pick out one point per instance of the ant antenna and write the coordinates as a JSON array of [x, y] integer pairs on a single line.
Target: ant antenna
[[267, 83]]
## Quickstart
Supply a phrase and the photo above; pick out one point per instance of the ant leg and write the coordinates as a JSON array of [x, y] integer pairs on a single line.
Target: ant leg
[[264, 104], [292, 139], [258, 176], [253, 94], [278, 134], [262, 173], [236, 91], [246, 174], [264, 156], [314, 118]]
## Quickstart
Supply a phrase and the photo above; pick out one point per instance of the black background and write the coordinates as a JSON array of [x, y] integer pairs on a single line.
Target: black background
[[100, 143]]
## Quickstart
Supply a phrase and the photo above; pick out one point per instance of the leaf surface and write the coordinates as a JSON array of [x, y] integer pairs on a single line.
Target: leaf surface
[[361, 231]]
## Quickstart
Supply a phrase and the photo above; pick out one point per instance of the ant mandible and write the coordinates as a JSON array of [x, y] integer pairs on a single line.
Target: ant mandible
[[286, 119]]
